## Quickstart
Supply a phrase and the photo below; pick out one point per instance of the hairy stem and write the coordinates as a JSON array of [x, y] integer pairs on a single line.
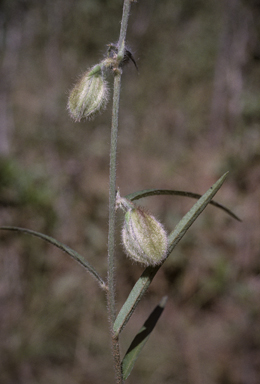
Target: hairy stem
[[112, 196], [124, 22], [111, 231], [112, 200], [117, 360]]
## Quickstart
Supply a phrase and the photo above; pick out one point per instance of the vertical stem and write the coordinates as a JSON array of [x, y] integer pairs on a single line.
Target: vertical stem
[[111, 231], [112, 199], [124, 22], [112, 196]]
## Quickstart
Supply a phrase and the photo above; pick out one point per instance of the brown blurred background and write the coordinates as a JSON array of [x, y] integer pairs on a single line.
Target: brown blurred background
[[189, 115]]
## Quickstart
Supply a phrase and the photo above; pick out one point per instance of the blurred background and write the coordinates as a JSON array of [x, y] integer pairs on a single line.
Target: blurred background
[[191, 113]]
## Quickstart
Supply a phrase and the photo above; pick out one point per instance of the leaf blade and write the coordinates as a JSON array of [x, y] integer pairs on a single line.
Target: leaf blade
[[141, 338], [134, 297], [155, 192], [182, 227], [75, 255]]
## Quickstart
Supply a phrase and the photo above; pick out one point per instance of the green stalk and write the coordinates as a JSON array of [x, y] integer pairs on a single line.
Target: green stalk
[[124, 23], [112, 196]]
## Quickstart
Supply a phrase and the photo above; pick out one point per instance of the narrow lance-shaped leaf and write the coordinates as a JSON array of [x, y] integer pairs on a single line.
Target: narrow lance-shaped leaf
[[182, 227], [75, 255], [141, 338], [155, 192], [147, 276]]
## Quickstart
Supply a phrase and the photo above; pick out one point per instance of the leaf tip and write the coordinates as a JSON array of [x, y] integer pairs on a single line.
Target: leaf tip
[[163, 301]]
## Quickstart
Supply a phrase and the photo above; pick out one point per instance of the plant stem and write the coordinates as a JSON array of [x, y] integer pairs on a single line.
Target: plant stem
[[112, 196], [112, 200], [111, 231], [124, 22]]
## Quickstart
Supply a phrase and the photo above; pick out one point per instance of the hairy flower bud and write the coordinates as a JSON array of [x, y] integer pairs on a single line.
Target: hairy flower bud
[[89, 96], [144, 238]]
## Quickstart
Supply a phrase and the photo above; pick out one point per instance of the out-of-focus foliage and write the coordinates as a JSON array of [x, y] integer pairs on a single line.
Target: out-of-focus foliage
[[189, 115]]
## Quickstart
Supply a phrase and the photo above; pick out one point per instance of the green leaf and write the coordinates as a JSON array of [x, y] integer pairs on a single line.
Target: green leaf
[[134, 297], [182, 227], [147, 276], [141, 338], [155, 192], [75, 255]]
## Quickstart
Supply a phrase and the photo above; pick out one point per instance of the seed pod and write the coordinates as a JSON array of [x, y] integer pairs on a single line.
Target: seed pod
[[144, 238], [89, 96]]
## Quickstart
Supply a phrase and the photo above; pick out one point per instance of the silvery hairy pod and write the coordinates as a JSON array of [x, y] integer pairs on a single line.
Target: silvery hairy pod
[[90, 95], [143, 236]]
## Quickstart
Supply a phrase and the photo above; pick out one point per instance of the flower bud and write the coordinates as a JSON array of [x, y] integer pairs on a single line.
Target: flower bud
[[89, 96], [144, 238]]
